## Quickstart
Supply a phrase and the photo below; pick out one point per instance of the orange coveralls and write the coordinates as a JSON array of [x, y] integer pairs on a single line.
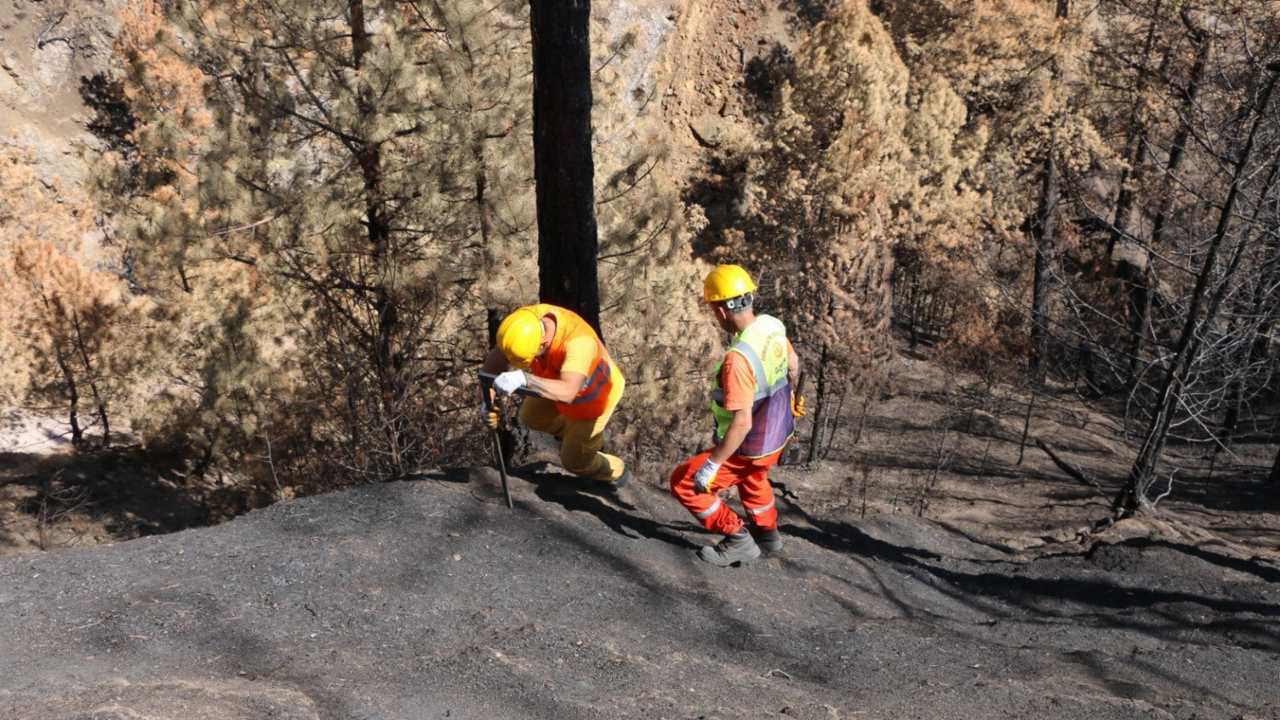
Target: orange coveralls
[[750, 475]]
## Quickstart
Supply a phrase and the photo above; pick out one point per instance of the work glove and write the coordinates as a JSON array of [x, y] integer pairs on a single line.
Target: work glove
[[705, 479], [491, 414], [797, 406], [510, 381]]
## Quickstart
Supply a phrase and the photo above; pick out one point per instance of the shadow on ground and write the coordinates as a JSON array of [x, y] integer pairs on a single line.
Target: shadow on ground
[[617, 509], [1144, 585], [120, 489]]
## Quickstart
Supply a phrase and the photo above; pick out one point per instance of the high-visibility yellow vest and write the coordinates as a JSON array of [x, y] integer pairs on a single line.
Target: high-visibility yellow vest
[[764, 345]]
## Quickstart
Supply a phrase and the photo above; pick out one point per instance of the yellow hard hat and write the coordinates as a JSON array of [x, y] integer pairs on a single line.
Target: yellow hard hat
[[520, 336], [726, 282]]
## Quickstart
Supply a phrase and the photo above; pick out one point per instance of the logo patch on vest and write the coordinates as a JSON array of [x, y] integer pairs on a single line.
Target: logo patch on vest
[[776, 354]]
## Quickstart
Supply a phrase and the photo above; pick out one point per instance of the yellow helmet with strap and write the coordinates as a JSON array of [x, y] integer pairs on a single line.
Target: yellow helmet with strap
[[726, 282], [520, 337]]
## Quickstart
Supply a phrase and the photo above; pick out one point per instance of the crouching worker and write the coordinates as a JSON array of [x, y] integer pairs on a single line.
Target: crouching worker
[[556, 354], [751, 404]]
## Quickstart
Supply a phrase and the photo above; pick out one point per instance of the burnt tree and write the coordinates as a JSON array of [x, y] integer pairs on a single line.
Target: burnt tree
[[1044, 231], [1137, 149], [1201, 313], [563, 170], [1140, 291]]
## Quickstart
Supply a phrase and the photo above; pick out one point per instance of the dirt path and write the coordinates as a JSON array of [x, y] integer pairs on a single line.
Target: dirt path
[[430, 599]]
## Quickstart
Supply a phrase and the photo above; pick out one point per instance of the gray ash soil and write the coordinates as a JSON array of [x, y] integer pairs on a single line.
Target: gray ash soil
[[430, 599]]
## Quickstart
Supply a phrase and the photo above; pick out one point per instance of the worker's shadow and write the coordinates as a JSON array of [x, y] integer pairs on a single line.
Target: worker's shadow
[[620, 510]]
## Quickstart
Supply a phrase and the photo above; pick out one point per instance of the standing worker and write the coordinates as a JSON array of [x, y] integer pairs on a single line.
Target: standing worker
[[751, 402], [556, 354]]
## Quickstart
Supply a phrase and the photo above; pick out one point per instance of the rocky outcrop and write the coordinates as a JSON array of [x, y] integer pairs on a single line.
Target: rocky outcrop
[[46, 47]]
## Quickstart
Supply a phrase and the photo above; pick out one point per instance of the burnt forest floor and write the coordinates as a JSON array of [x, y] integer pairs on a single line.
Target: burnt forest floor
[[926, 574]]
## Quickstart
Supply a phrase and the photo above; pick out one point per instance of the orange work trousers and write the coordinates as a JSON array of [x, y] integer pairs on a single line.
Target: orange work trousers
[[750, 475]]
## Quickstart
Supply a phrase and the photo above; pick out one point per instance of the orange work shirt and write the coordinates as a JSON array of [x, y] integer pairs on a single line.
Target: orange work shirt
[[576, 348]]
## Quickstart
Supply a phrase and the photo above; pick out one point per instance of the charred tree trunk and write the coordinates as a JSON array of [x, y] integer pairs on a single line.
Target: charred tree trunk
[[1140, 293], [73, 397], [820, 409], [482, 200], [100, 403], [1133, 497], [1129, 178], [563, 169], [1136, 149], [1044, 231], [1259, 333], [386, 358], [915, 310], [506, 437]]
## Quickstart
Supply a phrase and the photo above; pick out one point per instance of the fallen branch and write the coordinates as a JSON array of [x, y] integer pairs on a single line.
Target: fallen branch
[[1066, 467]]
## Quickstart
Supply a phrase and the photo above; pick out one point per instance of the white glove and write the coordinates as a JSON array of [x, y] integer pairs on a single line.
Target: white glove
[[706, 478], [510, 381]]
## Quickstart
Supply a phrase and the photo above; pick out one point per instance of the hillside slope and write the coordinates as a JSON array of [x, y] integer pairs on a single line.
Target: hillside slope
[[46, 47], [430, 599]]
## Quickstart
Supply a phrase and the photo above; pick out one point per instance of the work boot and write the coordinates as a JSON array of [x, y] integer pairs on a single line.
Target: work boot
[[733, 549], [622, 480], [769, 541]]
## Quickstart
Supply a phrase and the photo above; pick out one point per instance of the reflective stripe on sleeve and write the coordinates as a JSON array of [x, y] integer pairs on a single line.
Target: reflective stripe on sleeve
[[596, 382], [709, 511]]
